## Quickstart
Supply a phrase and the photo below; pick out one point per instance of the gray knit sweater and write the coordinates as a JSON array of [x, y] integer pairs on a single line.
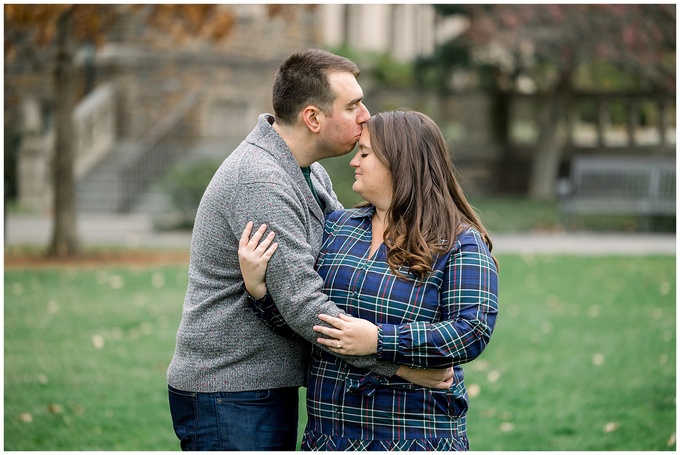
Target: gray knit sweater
[[221, 345]]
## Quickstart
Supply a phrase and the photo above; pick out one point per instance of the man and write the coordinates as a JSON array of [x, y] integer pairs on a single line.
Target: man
[[233, 383]]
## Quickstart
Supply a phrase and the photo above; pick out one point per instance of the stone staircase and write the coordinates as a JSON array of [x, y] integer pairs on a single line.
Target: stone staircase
[[101, 189], [124, 175]]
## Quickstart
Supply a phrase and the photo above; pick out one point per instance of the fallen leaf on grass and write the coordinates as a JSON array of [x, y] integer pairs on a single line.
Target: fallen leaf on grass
[[52, 307], [116, 281], [17, 288], [594, 311], [145, 328], [657, 313], [55, 408], [493, 376], [26, 417], [473, 390], [611, 427], [507, 427], [98, 341], [598, 359], [479, 365]]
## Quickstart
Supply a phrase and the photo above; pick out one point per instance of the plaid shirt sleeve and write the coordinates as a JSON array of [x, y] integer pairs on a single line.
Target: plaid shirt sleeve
[[265, 309], [468, 304]]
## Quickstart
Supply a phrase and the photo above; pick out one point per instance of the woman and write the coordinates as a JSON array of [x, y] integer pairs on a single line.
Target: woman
[[413, 266]]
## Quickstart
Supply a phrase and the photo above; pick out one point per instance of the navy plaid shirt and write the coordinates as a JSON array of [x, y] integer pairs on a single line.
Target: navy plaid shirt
[[446, 321]]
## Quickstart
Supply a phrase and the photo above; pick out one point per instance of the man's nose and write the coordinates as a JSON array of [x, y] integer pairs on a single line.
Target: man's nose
[[364, 115]]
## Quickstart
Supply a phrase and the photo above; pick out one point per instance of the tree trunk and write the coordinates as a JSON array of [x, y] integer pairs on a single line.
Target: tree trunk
[[64, 235], [500, 122], [546, 161]]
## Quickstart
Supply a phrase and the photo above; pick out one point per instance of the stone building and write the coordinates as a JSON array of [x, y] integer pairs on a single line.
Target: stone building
[[142, 81], [149, 100]]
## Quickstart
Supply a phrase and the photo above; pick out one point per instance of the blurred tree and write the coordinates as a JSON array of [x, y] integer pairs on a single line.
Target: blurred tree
[[50, 34], [553, 46]]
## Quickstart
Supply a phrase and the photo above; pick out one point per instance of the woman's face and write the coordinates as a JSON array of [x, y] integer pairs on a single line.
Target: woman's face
[[373, 180]]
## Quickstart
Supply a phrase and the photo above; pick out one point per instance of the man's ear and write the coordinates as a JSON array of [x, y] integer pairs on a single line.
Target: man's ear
[[311, 117]]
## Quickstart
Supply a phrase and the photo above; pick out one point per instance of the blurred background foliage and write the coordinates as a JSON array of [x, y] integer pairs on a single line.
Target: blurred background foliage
[[184, 185]]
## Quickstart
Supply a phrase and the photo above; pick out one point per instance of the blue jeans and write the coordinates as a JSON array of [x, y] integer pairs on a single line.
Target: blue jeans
[[253, 420]]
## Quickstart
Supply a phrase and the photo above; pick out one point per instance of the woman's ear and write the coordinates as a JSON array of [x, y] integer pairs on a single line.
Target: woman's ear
[[311, 117]]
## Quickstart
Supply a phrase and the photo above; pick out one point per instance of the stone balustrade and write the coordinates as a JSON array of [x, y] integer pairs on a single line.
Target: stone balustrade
[[94, 124]]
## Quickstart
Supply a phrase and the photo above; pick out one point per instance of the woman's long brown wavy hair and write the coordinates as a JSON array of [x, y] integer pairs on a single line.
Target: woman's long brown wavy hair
[[428, 209]]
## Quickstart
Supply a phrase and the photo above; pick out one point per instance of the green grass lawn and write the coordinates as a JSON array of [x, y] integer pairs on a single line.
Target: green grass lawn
[[85, 358], [583, 357]]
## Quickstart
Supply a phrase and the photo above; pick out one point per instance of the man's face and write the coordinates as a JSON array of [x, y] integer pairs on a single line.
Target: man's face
[[342, 129]]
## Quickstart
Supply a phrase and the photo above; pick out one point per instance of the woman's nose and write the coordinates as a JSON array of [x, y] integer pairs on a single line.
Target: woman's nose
[[354, 162]]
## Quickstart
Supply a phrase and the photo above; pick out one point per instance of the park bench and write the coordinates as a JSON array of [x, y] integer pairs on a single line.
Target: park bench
[[620, 185]]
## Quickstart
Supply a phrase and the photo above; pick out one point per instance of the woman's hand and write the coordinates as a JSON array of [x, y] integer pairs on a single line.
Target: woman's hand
[[253, 259], [348, 335]]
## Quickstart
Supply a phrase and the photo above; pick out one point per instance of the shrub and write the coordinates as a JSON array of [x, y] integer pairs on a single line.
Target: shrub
[[184, 185]]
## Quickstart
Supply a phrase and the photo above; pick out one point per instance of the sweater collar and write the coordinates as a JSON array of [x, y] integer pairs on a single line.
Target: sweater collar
[[265, 137]]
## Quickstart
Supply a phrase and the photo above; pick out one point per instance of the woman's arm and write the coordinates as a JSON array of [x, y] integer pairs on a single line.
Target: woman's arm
[[253, 259]]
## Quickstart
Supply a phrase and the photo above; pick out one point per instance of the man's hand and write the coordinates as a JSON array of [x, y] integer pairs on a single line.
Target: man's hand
[[433, 379]]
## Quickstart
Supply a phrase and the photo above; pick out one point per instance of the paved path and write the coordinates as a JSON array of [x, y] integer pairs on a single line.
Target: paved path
[[136, 231], [131, 231]]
